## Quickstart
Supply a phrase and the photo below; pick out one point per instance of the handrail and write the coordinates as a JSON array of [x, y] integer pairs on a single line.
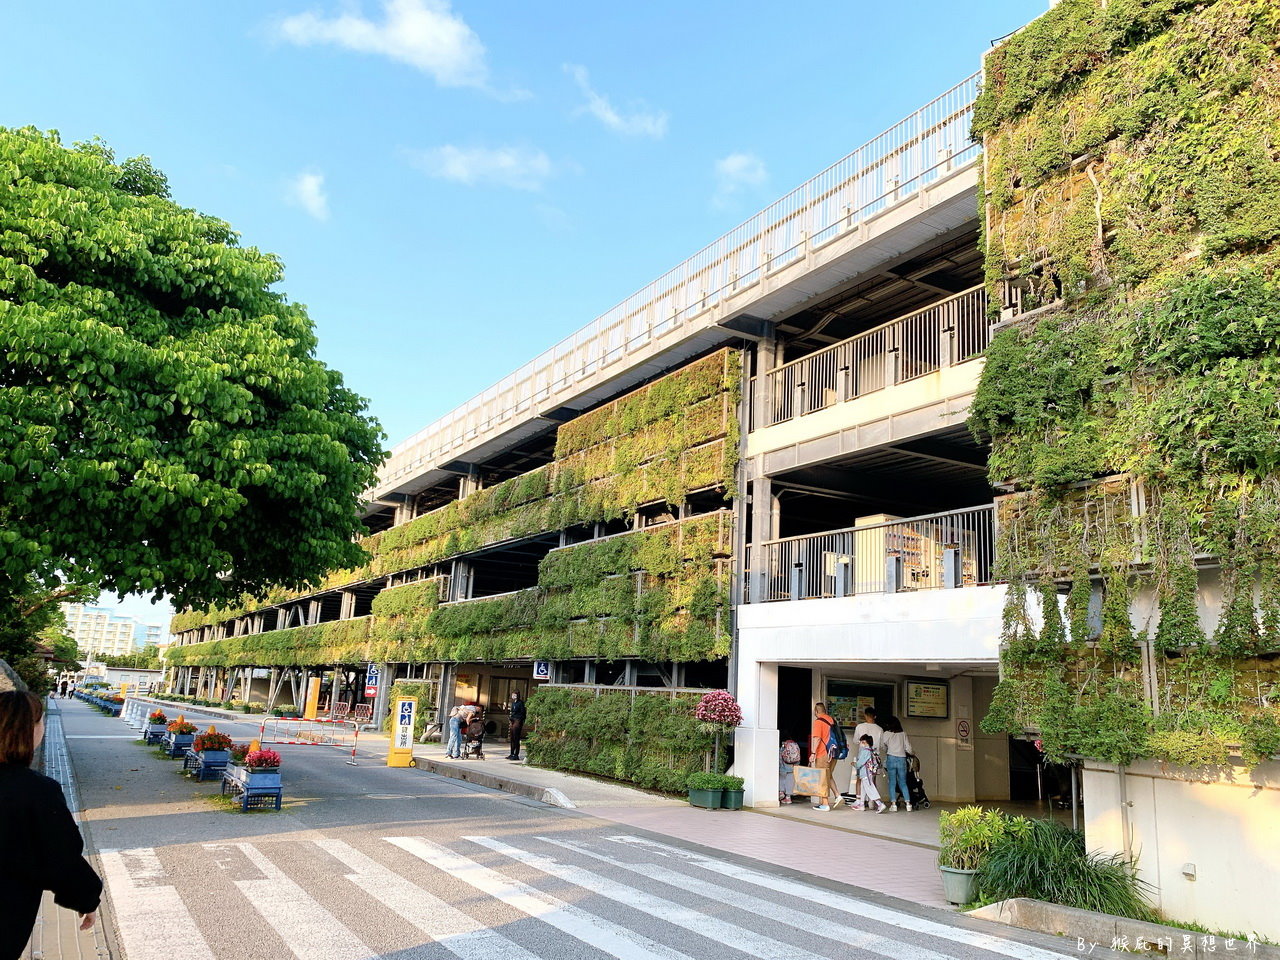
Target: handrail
[[923, 518], [884, 171], [874, 330]]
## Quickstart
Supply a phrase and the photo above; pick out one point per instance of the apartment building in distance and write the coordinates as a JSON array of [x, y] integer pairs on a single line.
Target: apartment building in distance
[[100, 631]]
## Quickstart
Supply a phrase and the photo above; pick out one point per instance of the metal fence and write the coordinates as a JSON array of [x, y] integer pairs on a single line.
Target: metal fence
[[953, 549], [885, 171], [940, 335]]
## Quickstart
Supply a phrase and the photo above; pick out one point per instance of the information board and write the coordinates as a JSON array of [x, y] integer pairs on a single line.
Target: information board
[[928, 699], [400, 753]]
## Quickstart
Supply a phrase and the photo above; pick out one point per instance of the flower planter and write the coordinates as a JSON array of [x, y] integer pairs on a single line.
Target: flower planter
[[732, 800], [959, 886], [711, 799], [155, 732], [177, 744], [255, 776], [215, 756]]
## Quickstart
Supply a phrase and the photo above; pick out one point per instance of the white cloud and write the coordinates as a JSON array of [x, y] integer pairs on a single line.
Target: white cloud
[[306, 190], [641, 122], [425, 34], [521, 168], [736, 174]]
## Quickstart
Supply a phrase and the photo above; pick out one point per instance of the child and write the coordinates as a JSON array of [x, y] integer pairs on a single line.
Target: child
[[788, 756], [868, 766]]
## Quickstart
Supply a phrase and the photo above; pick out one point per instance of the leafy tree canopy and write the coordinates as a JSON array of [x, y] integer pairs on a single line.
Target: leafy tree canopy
[[164, 424]]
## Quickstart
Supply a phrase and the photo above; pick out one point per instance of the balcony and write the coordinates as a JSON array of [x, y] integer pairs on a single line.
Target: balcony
[[941, 550]]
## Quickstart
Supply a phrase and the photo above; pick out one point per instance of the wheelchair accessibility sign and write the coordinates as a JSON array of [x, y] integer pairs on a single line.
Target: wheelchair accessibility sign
[[400, 753]]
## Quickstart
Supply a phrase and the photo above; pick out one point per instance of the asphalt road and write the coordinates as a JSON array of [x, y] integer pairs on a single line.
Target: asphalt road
[[369, 862]]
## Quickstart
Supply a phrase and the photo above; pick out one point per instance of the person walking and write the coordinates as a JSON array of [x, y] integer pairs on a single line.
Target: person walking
[[867, 728], [517, 716], [867, 762], [896, 745], [40, 845], [818, 737], [64, 689]]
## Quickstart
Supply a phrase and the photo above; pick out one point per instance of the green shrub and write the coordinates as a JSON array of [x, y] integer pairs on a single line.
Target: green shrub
[[705, 781], [970, 833], [1047, 861], [285, 710]]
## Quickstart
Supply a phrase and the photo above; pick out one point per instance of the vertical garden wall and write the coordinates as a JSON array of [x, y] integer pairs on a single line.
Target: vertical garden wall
[[658, 593], [1132, 198]]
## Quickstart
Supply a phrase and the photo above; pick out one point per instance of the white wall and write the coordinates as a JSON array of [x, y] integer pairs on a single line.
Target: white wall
[[932, 626], [1228, 827]]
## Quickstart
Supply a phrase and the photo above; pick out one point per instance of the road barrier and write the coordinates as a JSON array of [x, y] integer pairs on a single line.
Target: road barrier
[[300, 731]]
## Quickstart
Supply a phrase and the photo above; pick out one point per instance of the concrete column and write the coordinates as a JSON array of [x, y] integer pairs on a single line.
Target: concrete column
[[756, 740], [384, 694], [764, 526], [956, 781]]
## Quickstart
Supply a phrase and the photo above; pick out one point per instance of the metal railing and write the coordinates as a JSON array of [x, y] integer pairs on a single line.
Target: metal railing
[[953, 549], [885, 171], [941, 335]]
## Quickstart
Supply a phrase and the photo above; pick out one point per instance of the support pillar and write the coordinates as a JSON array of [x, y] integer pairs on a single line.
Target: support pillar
[[756, 740]]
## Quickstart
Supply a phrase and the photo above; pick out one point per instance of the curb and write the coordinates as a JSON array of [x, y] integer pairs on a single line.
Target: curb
[[547, 795], [1103, 928]]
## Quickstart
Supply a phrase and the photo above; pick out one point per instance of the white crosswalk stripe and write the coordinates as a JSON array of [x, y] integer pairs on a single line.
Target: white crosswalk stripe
[[856, 908], [142, 904], [451, 928], [821, 926], [749, 942], [613, 940], [311, 931]]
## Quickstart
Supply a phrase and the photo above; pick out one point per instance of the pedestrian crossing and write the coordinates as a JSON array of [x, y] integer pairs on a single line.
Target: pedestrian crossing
[[573, 894]]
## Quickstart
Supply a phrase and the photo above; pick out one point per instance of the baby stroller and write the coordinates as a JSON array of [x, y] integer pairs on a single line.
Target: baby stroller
[[473, 739], [915, 786]]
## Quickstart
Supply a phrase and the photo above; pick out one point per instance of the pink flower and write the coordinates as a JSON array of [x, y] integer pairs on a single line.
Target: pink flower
[[719, 707], [262, 758]]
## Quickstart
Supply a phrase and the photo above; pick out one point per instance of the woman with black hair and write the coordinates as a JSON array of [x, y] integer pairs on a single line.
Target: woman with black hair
[[40, 845], [897, 746]]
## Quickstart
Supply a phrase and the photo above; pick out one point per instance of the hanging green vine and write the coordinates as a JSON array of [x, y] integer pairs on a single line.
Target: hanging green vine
[[1132, 189]]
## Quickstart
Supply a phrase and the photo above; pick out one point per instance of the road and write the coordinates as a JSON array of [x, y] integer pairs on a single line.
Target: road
[[369, 862]]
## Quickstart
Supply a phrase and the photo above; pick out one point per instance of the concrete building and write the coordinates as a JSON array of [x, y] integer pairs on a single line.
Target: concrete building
[[756, 472], [99, 631]]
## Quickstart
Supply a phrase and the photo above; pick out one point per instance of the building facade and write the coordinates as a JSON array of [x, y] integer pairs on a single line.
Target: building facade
[[908, 439]]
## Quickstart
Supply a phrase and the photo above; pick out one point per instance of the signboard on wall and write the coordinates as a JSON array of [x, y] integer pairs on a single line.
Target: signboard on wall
[[542, 669], [928, 700], [371, 677]]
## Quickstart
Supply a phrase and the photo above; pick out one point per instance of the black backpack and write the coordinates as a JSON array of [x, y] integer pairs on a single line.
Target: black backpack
[[837, 745]]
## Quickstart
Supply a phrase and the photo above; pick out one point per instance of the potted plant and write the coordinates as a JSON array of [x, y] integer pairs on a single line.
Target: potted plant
[[258, 768], [706, 790], [212, 746], [967, 835], [718, 713], [178, 736], [157, 722], [732, 799]]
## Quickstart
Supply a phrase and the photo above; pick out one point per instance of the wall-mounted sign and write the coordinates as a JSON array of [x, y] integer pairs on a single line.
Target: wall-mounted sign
[[963, 733], [542, 669], [928, 700], [371, 677]]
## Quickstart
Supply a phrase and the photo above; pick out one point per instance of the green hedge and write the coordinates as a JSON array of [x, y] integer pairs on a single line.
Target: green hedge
[[650, 739]]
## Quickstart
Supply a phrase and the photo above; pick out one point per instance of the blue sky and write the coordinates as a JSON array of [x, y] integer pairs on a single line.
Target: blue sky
[[455, 186]]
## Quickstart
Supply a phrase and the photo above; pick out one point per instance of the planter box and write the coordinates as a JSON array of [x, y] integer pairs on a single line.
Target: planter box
[[214, 756], [959, 886], [732, 800], [711, 799], [178, 743], [255, 776]]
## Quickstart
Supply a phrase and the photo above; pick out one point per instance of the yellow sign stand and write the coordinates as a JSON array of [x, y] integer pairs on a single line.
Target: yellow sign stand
[[400, 752], [313, 699]]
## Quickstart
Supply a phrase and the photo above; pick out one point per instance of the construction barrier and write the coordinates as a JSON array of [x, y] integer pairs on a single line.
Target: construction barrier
[[304, 732]]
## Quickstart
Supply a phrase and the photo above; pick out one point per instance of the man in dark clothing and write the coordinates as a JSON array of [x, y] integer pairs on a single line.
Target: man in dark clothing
[[517, 725]]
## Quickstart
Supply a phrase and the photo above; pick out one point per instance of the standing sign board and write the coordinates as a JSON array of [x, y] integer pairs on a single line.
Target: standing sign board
[[371, 678], [400, 753]]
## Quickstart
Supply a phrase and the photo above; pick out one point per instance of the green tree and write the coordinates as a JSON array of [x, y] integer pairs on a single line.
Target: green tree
[[164, 424]]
